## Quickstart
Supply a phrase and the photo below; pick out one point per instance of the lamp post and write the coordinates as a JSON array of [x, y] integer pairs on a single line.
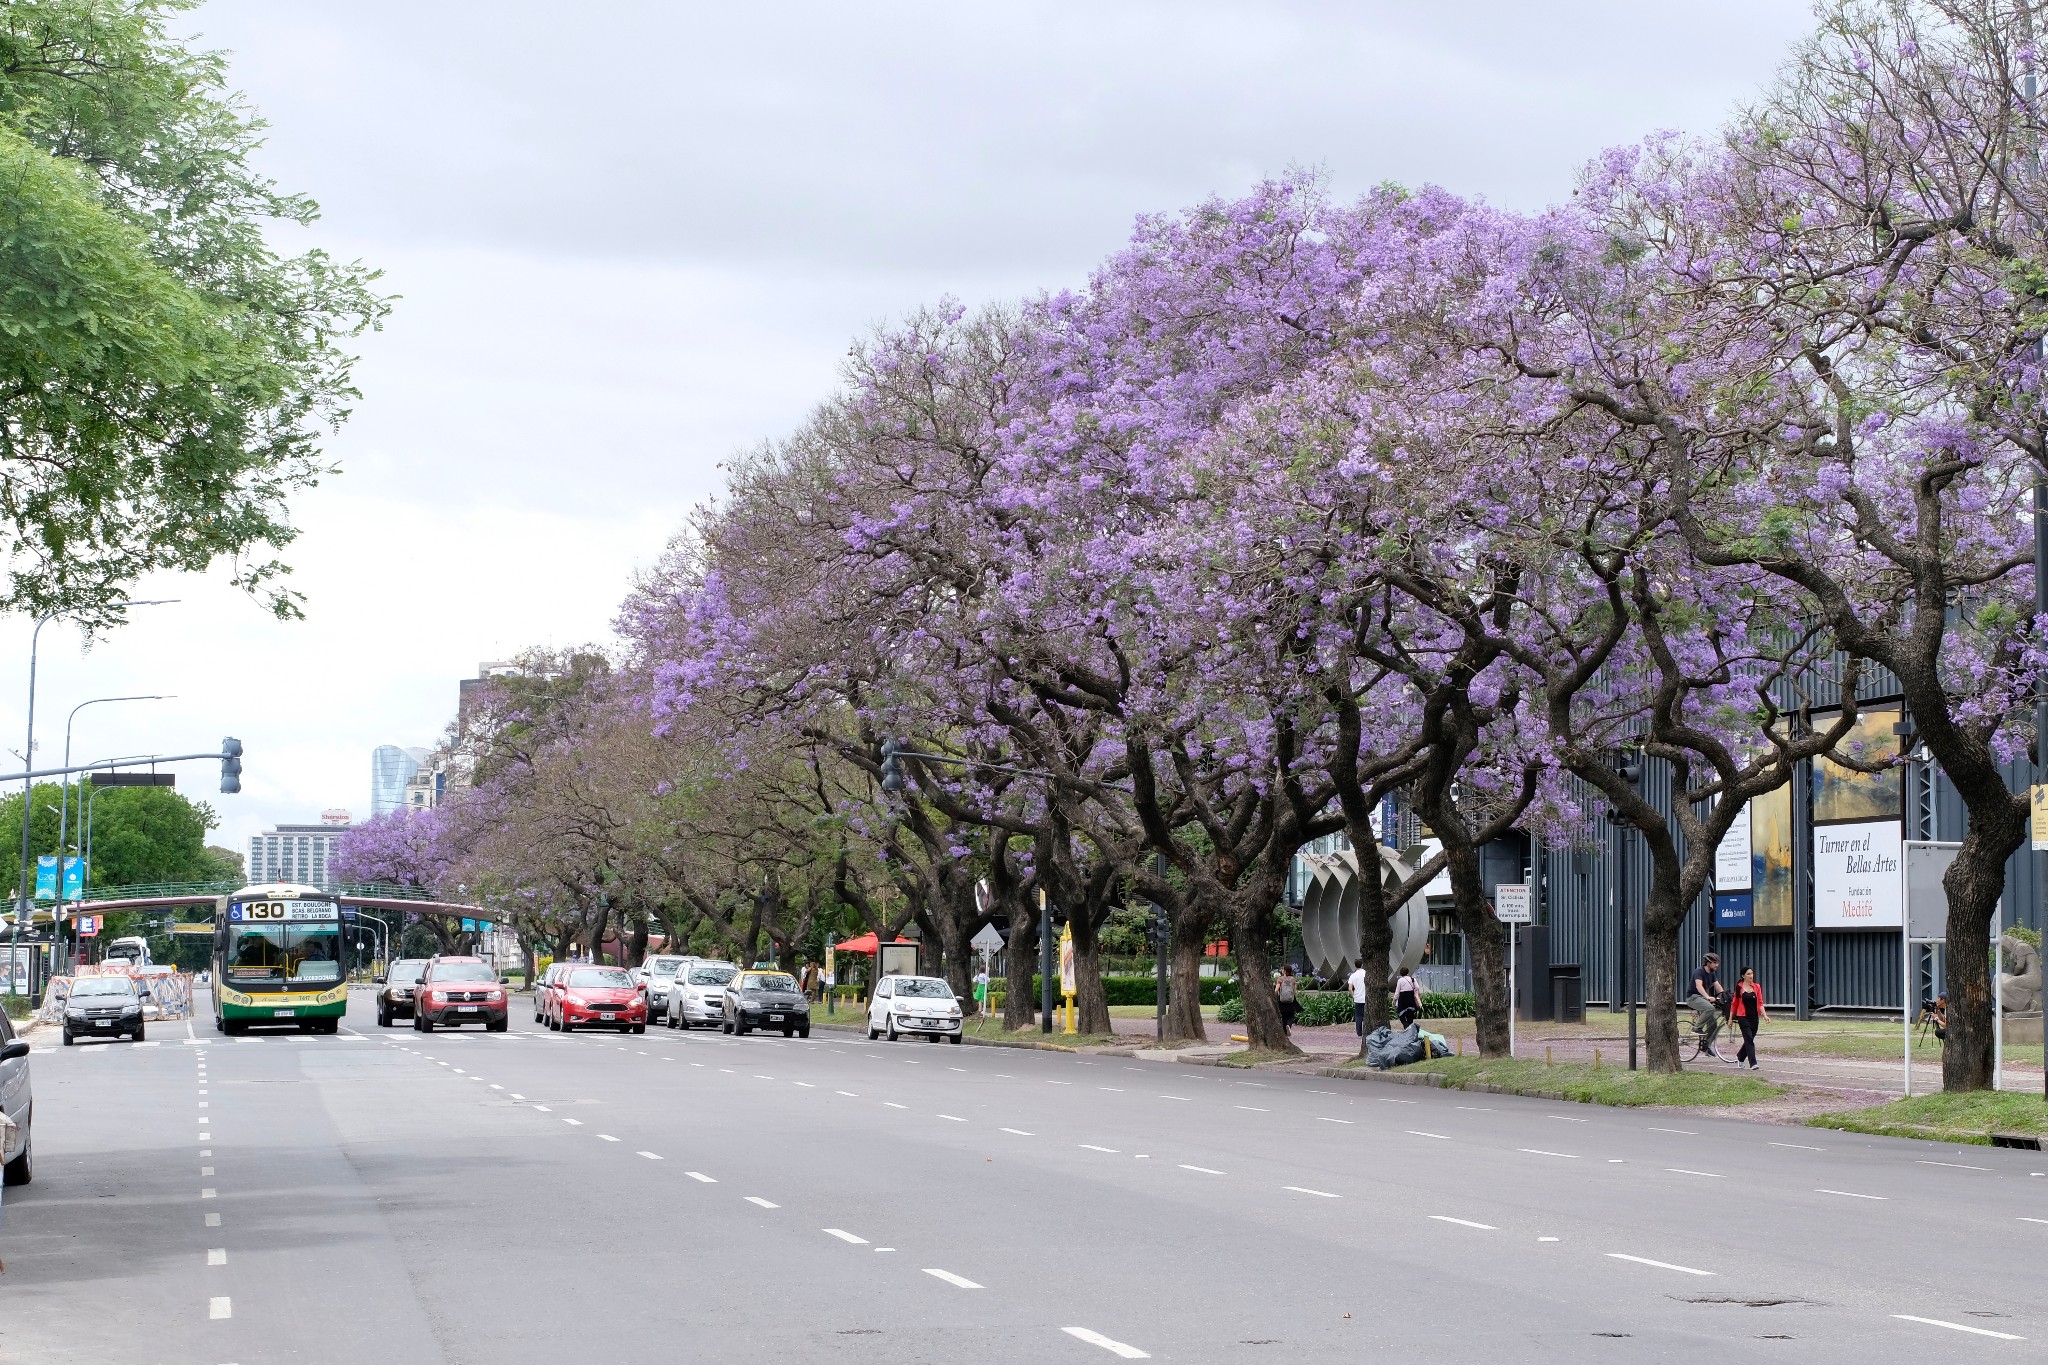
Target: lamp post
[[64, 792], [28, 754]]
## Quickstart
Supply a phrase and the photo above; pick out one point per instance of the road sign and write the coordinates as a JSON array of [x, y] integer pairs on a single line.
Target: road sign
[[988, 940], [1511, 904], [135, 779], [2040, 794], [348, 912], [88, 926]]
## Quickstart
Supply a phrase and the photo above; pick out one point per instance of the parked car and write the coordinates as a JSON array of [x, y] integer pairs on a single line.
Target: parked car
[[914, 1004], [766, 1000], [454, 991], [102, 1007], [698, 995], [543, 992], [599, 997], [395, 988], [657, 977], [17, 1155]]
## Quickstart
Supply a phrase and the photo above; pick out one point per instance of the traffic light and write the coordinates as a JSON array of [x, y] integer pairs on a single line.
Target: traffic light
[[892, 767], [231, 765]]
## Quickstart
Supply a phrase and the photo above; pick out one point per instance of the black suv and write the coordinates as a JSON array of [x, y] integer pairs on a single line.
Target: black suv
[[395, 988]]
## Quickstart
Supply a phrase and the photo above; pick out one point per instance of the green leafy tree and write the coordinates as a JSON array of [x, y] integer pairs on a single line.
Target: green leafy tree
[[166, 374], [139, 834]]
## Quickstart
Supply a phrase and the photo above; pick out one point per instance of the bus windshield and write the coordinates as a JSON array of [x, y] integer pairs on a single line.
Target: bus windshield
[[283, 955]]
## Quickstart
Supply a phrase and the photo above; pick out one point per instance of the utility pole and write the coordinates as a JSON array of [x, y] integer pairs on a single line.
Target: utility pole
[[1045, 963]]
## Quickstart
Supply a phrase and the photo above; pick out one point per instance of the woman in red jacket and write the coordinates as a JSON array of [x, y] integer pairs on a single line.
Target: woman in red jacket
[[1746, 1008]]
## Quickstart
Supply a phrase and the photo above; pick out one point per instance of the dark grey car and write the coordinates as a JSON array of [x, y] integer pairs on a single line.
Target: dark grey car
[[767, 1000], [102, 1007]]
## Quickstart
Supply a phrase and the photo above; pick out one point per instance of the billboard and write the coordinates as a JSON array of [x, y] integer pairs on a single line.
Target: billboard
[[1770, 841], [1857, 876]]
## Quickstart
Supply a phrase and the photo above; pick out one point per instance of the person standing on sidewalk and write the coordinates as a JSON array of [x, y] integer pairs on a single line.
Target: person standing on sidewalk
[[1357, 984], [1746, 1008], [1407, 999], [1287, 992]]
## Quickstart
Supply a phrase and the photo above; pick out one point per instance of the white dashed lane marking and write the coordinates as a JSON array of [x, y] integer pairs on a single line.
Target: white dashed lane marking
[[217, 1256], [1660, 1265], [1463, 1222], [219, 1308], [1846, 1194], [960, 1281], [843, 1235], [699, 1175], [1094, 1338], [1958, 1327], [1303, 1189], [757, 1199]]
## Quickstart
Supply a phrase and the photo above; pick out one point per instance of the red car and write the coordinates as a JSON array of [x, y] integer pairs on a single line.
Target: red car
[[597, 997], [460, 990]]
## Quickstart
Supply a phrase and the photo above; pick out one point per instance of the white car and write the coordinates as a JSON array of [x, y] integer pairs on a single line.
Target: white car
[[697, 995], [914, 1004], [656, 975]]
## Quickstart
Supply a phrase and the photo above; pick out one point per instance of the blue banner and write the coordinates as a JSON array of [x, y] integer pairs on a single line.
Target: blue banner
[[74, 878], [469, 926], [1734, 910], [46, 877], [484, 925]]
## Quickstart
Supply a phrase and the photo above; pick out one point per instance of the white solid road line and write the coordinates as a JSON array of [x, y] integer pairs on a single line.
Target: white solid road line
[[1202, 1170], [1846, 1194], [219, 1308], [699, 1175], [216, 1255], [1538, 1151], [1680, 1170], [1303, 1189], [1463, 1222], [649, 1155], [1094, 1338], [1959, 1327], [949, 1277], [1661, 1265], [843, 1235]]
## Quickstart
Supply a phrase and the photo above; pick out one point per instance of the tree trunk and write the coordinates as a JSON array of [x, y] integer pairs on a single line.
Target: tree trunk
[[1184, 990], [1974, 883], [1020, 960], [1263, 1030], [1662, 922], [1091, 999], [1375, 938], [636, 949], [1488, 943]]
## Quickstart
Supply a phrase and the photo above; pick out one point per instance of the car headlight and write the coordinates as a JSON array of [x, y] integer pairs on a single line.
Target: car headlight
[[70, 1013]]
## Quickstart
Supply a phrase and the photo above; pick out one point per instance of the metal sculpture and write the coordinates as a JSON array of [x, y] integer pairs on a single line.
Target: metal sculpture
[[1330, 924]]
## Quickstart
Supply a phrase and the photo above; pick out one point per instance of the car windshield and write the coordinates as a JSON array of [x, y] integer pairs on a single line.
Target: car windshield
[[102, 985], [284, 954], [712, 976], [663, 966], [923, 986], [464, 971], [406, 973], [600, 978], [769, 981]]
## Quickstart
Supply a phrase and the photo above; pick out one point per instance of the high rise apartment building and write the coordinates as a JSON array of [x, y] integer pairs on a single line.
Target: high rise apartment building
[[296, 853]]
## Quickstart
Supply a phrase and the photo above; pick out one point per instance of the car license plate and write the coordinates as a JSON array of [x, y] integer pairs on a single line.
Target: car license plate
[[102, 1023], [282, 1014], [607, 1014], [774, 1018], [469, 1009]]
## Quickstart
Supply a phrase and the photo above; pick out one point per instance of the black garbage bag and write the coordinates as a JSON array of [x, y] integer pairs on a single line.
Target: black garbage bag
[[1387, 1047]]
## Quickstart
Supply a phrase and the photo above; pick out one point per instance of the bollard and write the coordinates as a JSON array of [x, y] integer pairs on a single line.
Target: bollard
[[1546, 1054], [1596, 1059]]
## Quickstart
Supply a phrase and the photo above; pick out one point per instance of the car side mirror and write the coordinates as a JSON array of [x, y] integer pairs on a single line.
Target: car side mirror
[[504, 981], [378, 980], [15, 1049]]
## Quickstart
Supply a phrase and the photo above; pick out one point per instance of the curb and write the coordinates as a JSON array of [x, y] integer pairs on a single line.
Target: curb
[[972, 1041]]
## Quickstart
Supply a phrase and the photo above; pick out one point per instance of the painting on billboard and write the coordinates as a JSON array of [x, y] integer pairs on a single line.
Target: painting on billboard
[[1841, 793], [1770, 855]]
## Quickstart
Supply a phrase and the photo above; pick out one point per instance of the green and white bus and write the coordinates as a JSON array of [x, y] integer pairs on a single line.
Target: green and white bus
[[277, 959]]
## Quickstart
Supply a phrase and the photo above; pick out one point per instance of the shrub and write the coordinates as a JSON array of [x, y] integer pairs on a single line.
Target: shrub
[[1320, 1009], [1132, 990]]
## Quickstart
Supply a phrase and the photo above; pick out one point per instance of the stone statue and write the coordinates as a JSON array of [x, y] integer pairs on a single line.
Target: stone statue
[[2019, 985]]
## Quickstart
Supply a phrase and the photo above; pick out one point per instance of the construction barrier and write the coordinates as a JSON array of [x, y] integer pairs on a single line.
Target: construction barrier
[[166, 992]]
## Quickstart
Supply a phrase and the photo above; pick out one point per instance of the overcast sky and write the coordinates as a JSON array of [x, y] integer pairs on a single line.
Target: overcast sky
[[632, 236]]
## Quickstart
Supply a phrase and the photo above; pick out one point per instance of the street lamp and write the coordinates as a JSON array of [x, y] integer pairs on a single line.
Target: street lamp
[[28, 755], [64, 790]]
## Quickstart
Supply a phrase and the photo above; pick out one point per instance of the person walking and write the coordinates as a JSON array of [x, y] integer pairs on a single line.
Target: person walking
[[1407, 999], [1706, 1004], [1287, 991], [1357, 984], [1746, 1008]]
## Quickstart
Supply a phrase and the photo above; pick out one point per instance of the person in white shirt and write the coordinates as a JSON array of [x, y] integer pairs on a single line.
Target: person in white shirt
[[1357, 984]]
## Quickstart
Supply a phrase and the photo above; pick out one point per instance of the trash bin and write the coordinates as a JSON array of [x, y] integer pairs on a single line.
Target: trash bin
[[1567, 995]]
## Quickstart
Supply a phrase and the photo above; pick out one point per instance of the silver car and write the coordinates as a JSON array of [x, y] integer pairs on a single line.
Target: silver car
[[655, 976], [17, 1157], [698, 995]]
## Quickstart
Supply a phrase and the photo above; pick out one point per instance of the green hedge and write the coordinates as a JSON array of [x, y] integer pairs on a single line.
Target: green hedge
[[1323, 1008], [1135, 990]]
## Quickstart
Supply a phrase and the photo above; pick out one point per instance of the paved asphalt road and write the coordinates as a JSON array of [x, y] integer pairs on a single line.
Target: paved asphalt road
[[527, 1197]]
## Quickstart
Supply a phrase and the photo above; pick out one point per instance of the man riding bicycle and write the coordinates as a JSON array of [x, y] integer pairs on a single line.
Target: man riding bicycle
[[1706, 1002]]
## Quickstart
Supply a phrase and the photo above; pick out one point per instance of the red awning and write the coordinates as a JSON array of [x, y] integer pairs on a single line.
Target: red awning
[[865, 944]]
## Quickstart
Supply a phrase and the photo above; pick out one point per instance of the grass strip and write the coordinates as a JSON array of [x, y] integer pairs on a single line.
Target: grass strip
[[1968, 1116], [1586, 1084]]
